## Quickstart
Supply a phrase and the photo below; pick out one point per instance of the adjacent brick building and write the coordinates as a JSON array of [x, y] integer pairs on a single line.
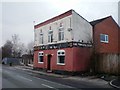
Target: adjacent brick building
[[106, 37], [106, 33]]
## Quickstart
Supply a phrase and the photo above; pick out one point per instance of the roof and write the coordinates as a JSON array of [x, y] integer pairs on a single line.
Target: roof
[[54, 19], [57, 18], [98, 21]]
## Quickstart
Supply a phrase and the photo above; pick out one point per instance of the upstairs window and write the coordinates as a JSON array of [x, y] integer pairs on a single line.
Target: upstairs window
[[50, 36], [41, 37], [104, 38], [61, 57], [61, 34], [40, 57]]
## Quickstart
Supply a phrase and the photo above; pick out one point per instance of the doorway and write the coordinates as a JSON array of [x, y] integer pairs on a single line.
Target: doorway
[[49, 62]]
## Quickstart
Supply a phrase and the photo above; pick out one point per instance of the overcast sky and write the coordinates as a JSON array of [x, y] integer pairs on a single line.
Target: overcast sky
[[18, 15]]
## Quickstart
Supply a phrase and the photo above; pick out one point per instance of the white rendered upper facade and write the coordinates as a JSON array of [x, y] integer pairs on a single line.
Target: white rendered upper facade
[[66, 27]]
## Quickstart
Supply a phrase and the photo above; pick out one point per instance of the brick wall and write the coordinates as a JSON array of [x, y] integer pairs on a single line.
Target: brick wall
[[109, 27]]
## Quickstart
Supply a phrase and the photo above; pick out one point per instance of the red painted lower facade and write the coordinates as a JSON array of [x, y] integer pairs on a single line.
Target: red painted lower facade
[[77, 59]]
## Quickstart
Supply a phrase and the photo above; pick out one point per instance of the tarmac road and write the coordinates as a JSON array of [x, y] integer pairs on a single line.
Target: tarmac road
[[18, 78]]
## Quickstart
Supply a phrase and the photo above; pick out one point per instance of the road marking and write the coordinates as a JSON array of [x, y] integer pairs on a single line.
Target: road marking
[[49, 81], [24, 69], [47, 86], [23, 78], [55, 83]]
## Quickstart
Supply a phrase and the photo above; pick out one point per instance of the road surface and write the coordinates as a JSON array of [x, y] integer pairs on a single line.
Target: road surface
[[18, 78]]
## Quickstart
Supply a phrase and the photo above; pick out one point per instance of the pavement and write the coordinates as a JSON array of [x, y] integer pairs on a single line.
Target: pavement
[[90, 79]]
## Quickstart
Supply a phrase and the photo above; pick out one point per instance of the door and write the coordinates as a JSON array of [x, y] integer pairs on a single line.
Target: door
[[49, 62]]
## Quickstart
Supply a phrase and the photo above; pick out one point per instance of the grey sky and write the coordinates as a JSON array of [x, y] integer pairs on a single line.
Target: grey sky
[[18, 17]]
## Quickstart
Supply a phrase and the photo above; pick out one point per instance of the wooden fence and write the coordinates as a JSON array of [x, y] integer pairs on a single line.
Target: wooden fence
[[107, 63]]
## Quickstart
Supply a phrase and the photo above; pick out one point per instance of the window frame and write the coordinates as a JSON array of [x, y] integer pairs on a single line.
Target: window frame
[[50, 36], [106, 38], [60, 54], [40, 54], [61, 34]]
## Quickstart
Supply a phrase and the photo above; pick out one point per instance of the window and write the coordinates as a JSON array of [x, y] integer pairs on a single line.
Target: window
[[61, 57], [61, 34], [104, 38], [40, 57], [41, 38], [50, 36]]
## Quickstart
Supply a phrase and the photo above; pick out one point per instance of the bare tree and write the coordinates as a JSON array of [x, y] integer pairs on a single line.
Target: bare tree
[[7, 49], [18, 47]]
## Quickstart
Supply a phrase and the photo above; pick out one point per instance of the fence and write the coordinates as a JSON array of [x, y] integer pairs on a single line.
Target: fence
[[107, 63]]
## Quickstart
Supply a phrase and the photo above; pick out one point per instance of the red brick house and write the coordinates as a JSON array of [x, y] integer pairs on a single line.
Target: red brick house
[[106, 37], [63, 43]]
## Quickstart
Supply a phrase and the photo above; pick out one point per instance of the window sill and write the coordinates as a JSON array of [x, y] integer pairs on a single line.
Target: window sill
[[61, 41], [40, 44], [104, 41], [60, 64], [50, 43], [41, 62]]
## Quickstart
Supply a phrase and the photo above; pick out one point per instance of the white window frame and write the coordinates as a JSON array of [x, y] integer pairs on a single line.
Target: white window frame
[[106, 38], [40, 54], [50, 36], [61, 31], [60, 51]]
